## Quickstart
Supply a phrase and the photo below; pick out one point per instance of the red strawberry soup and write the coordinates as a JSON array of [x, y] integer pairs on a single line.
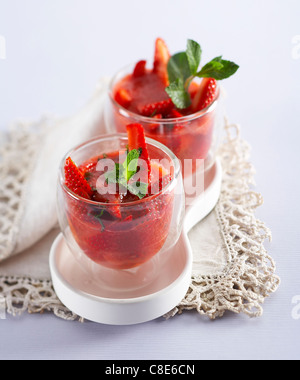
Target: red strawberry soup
[[123, 220], [173, 99]]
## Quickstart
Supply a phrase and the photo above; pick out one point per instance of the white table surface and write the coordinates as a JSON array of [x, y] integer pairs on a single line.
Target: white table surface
[[56, 51]]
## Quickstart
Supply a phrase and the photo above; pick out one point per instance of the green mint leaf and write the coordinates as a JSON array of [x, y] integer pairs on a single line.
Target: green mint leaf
[[122, 181], [229, 68], [123, 173], [131, 164], [210, 70], [98, 217], [218, 59], [179, 68], [178, 94], [139, 189], [218, 69], [193, 53]]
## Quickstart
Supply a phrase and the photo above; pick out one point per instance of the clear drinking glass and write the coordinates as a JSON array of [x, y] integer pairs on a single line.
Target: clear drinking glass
[[115, 249], [194, 137]]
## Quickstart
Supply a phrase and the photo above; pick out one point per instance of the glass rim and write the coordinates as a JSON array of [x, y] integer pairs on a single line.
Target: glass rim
[[147, 119], [174, 159]]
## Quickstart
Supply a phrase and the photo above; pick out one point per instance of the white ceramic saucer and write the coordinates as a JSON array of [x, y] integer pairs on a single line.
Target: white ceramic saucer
[[106, 305]]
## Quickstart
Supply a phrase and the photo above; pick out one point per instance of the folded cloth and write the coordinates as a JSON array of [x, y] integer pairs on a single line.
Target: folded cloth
[[29, 162], [231, 269]]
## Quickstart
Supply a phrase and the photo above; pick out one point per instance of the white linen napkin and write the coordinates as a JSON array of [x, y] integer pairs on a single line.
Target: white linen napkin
[[29, 164]]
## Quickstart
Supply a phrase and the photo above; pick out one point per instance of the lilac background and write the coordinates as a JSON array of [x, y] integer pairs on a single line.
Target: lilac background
[[57, 50]]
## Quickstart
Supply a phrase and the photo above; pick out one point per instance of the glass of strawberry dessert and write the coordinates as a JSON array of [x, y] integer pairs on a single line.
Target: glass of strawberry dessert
[[177, 103], [120, 202]]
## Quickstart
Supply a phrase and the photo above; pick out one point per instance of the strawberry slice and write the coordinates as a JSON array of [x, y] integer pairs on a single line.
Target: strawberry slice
[[193, 89], [164, 108], [206, 94], [140, 69], [123, 97], [161, 60], [75, 180], [136, 140], [174, 114], [115, 210]]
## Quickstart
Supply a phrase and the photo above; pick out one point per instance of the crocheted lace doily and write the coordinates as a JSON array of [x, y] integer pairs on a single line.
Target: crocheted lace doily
[[249, 275], [17, 154], [247, 279]]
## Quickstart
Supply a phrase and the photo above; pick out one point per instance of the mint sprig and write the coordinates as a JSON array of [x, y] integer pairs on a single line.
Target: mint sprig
[[183, 69], [123, 173], [99, 218]]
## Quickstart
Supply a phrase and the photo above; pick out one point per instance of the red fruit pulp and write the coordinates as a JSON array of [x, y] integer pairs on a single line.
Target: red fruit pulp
[[143, 90], [118, 230]]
